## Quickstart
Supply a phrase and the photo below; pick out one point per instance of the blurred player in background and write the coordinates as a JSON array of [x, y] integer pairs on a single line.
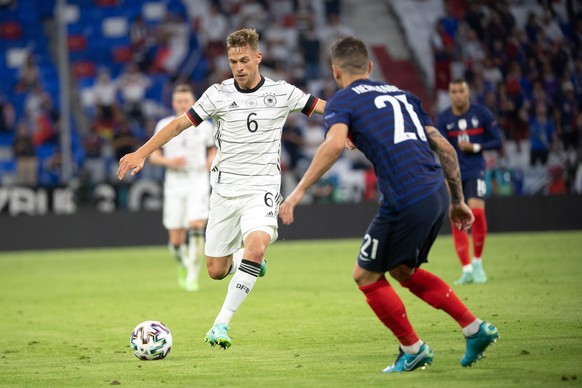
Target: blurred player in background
[[187, 159], [249, 111], [471, 129], [392, 129]]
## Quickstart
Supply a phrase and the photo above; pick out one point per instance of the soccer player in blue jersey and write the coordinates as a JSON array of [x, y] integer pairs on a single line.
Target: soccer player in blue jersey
[[392, 129], [471, 129]]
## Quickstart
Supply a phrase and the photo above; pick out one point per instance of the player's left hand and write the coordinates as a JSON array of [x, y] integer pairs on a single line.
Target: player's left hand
[[286, 208], [465, 146]]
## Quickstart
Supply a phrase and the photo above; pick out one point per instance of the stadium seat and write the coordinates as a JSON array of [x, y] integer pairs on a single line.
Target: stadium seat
[[122, 54], [77, 43], [84, 69], [10, 30]]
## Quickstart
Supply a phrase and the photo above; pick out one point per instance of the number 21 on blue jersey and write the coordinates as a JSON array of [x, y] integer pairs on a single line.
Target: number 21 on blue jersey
[[400, 134]]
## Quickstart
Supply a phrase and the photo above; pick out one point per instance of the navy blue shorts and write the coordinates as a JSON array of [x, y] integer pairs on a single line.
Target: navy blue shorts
[[404, 237], [474, 188]]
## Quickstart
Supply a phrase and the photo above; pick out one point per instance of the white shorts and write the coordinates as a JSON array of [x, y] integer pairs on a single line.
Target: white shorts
[[231, 220], [185, 202]]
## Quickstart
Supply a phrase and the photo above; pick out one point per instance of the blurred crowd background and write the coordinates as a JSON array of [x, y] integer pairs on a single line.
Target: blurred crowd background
[[522, 59]]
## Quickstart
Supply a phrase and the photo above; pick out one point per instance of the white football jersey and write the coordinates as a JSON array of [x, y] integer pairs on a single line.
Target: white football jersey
[[192, 144], [247, 131]]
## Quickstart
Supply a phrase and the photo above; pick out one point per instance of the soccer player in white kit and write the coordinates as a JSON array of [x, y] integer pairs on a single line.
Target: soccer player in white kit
[[248, 112], [187, 159]]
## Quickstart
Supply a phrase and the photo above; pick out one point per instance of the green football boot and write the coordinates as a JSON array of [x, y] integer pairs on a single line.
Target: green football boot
[[409, 362], [218, 335], [479, 275], [478, 342], [263, 268], [466, 278]]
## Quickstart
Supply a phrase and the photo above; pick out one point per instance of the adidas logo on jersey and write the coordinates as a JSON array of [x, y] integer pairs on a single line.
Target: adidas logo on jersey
[[271, 214], [233, 105]]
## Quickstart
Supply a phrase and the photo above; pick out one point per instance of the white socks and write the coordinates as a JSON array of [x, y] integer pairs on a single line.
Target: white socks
[[193, 260], [412, 349], [236, 259], [239, 287], [472, 328]]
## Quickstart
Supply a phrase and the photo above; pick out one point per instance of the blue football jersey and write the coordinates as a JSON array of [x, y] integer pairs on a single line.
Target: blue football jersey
[[387, 125], [478, 126]]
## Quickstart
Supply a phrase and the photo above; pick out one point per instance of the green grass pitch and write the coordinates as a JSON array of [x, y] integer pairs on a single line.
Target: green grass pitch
[[66, 318]]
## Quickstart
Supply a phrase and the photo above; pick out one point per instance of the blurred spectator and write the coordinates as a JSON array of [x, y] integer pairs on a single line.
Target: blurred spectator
[[175, 35], [551, 27], [443, 47], [310, 46], [292, 141], [280, 43], [542, 134], [472, 50], [25, 155], [141, 42], [492, 73], [449, 21], [29, 76], [475, 18], [532, 27], [505, 14], [133, 85], [495, 30], [576, 79], [214, 29], [252, 14], [331, 32], [94, 163], [565, 116], [6, 115], [550, 83], [313, 136], [332, 7], [105, 92]]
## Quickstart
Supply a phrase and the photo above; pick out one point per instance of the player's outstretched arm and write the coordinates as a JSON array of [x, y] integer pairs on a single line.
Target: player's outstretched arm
[[460, 214], [328, 152], [134, 161], [320, 107]]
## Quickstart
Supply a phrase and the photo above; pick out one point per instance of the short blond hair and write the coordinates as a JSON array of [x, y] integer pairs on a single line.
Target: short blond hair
[[247, 37], [183, 88]]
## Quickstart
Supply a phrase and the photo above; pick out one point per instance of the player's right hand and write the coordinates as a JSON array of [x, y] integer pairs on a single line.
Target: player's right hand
[[461, 216], [286, 208], [131, 162]]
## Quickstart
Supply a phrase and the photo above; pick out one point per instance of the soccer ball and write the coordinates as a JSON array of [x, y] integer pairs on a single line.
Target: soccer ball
[[151, 340]]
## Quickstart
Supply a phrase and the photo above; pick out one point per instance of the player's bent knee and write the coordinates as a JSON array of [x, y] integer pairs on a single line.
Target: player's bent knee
[[401, 273], [218, 269]]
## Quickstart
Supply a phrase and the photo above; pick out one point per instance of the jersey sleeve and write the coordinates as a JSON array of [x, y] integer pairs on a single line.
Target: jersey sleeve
[[204, 108], [301, 102], [337, 111]]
